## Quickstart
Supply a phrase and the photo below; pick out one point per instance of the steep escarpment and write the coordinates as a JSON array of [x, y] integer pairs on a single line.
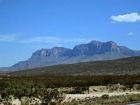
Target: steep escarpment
[[92, 51]]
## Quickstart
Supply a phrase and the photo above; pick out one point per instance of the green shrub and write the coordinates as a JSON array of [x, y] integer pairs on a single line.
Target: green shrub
[[105, 96], [134, 98], [24, 88], [74, 102], [25, 103], [4, 94], [52, 103]]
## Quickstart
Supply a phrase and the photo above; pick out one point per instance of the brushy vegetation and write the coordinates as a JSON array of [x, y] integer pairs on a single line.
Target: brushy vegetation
[[74, 81], [118, 99], [36, 83], [110, 67], [104, 100], [26, 88], [45, 86]]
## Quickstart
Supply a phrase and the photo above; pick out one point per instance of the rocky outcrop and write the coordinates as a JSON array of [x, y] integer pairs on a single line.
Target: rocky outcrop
[[92, 51]]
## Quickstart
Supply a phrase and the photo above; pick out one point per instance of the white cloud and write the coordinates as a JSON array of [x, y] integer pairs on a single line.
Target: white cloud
[[7, 38], [132, 17], [79, 40], [50, 39], [130, 33], [42, 39], [113, 22]]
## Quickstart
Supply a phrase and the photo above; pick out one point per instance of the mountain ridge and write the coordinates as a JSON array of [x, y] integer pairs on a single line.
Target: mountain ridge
[[123, 66], [92, 51]]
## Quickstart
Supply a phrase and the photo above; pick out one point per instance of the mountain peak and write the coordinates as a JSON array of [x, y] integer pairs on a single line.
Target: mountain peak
[[91, 51], [112, 43], [95, 42], [56, 47], [109, 46]]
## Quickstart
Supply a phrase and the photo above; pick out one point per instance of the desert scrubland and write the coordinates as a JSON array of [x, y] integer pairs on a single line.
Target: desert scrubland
[[68, 90]]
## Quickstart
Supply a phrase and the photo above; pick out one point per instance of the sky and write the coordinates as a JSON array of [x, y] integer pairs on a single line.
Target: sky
[[30, 25]]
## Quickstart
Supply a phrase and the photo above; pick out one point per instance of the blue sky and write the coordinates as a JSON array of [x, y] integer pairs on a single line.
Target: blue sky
[[30, 25]]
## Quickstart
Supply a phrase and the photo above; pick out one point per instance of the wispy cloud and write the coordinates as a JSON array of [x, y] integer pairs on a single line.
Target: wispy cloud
[[113, 22], [50, 39], [7, 38], [47, 39], [79, 40], [130, 33], [132, 17]]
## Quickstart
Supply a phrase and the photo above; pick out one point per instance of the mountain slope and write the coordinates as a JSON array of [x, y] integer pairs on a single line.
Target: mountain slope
[[130, 65], [92, 51]]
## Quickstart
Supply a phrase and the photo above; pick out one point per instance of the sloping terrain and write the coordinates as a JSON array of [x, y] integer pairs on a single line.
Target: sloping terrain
[[93, 51], [130, 65]]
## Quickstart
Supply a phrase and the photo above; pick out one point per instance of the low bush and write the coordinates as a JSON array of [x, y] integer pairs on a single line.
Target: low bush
[[24, 88], [105, 96], [29, 89]]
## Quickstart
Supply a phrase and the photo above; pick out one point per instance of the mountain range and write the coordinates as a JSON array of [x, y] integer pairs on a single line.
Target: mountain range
[[92, 51]]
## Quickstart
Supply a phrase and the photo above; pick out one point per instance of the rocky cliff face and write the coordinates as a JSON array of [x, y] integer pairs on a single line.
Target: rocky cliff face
[[43, 54], [92, 51], [95, 47]]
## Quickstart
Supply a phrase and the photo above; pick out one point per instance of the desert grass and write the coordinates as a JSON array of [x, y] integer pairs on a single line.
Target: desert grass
[[105, 100], [118, 99]]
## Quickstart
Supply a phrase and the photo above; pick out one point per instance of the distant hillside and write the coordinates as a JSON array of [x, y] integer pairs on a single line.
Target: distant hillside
[[128, 66], [93, 51]]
